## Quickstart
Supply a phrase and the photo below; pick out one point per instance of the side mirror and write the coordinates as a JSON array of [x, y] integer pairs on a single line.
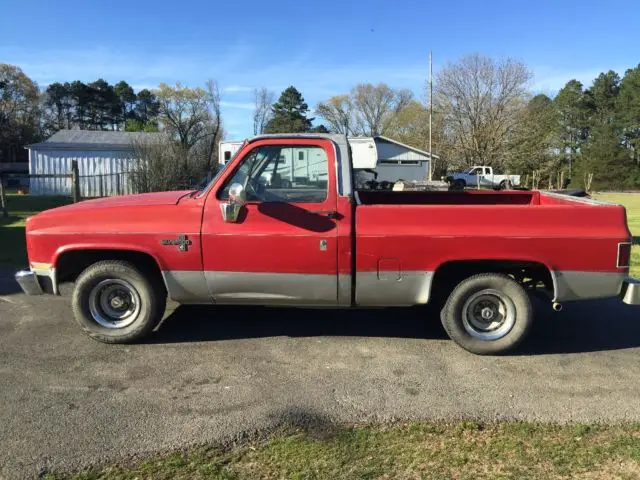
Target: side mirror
[[231, 209]]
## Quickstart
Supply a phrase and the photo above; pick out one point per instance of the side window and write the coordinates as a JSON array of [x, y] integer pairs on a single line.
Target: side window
[[486, 171], [477, 171], [282, 174]]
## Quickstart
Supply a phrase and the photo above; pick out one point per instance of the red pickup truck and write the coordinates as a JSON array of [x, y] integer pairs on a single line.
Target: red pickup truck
[[281, 224]]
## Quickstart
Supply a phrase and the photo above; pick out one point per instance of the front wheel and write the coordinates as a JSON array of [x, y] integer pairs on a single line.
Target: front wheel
[[488, 314], [114, 302]]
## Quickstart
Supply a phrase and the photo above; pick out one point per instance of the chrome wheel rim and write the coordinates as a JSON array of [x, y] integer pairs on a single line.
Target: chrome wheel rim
[[114, 303], [488, 315]]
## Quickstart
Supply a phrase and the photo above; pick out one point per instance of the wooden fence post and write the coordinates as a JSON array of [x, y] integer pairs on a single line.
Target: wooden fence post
[[75, 181], [3, 200]]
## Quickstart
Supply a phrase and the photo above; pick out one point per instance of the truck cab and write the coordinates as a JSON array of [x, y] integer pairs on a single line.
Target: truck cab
[[282, 224]]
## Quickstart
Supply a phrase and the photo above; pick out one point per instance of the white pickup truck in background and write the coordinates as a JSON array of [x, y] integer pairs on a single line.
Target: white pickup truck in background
[[485, 177]]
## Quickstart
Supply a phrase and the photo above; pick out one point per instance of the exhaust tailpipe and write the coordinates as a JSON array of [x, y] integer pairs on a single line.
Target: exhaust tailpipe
[[557, 307]]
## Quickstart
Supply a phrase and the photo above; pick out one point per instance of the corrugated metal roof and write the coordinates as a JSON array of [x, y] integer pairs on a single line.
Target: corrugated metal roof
[[65, 139]]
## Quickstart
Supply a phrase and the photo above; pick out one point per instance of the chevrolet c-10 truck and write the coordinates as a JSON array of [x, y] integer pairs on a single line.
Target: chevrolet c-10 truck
[[281, 225]]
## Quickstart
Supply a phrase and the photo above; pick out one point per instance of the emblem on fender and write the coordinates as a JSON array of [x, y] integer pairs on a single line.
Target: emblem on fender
[[182, 242]]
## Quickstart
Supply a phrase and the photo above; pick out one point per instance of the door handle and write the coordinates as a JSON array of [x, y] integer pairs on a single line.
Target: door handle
[[327, 213]]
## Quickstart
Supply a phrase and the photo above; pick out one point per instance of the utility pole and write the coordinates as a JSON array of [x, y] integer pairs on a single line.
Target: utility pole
[[430, 114]]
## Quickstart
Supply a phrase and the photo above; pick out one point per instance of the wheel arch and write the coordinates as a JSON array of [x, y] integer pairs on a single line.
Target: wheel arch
[[451, 272], [70, 261]]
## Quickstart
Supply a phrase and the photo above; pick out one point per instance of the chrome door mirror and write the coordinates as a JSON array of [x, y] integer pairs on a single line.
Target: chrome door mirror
[[231, 209]]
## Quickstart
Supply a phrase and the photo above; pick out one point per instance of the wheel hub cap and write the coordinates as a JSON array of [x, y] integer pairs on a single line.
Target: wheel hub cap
[[488, 314], [114, 303]]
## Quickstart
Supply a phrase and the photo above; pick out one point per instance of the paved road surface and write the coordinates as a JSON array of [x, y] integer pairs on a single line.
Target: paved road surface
[[211, 374]]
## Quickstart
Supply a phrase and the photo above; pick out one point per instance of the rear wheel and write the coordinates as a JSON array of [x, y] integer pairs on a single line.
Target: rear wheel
[[458, 185], [505, 185], [488, 314], [114, 302]]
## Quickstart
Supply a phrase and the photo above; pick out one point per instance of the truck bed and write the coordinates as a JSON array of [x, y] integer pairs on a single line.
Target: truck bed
[[470, 197], [417, 233]]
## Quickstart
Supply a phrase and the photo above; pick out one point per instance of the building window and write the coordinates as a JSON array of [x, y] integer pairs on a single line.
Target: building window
[[227, 156], [300, 155]]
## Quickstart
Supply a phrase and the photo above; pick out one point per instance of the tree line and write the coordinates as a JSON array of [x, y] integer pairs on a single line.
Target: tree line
[[189, 119], [485, 114], [98, 106]]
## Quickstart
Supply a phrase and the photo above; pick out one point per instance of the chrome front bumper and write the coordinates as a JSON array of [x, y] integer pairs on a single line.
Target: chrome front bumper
[[630, 292], [29, 282]]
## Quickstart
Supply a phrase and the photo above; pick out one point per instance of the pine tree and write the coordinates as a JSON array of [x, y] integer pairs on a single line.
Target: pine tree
[[628, 107], [572, 113], [289, 114], [604, 156]]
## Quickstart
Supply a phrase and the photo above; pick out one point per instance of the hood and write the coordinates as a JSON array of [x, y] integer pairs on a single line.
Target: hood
[[142, 199], [111, 213]]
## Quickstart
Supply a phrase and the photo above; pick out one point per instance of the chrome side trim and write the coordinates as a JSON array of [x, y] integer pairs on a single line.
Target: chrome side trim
[[575, 285], [251, 288], [187, 286], [393, 289], [28, 281], [630, 291]]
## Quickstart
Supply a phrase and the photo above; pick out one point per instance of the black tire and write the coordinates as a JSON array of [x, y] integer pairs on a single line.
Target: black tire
[[462, 325], [140, 293], [505, 185], [458, 185]]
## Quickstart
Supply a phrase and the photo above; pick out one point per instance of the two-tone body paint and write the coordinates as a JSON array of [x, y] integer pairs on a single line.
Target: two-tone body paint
[[413, 241], [137, 224], [279, 253], [294, 254]]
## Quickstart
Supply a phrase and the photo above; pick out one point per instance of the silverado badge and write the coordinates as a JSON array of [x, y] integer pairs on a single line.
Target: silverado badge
[[182, 242]]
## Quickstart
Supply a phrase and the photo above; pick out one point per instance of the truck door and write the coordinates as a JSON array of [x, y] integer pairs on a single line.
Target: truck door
[[283, 248]]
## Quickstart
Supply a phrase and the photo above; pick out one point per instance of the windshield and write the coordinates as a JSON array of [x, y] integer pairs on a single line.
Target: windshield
[[207, 185]]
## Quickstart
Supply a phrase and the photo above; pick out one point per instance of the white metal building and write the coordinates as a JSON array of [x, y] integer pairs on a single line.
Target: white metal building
[[104, 162], [391, 159]]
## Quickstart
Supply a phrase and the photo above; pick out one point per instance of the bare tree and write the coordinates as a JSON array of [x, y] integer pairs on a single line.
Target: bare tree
[[375, 106], [480, 100], [367, 110], [184, 113], [262, 113], [19, 111], [214, 125], [338, 112], [192, 117], [158, 164]]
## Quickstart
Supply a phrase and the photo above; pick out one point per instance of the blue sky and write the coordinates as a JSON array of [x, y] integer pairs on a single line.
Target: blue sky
[[323, 48]]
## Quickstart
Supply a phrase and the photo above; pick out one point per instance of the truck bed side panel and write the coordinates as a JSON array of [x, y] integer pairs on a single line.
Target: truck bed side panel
[[399, 247]]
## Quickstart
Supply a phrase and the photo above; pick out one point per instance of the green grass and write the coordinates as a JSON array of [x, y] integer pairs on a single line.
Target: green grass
[[632, 202], [13, 251], [465, 450]]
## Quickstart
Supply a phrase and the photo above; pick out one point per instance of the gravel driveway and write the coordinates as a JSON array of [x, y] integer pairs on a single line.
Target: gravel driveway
[[213, 374]]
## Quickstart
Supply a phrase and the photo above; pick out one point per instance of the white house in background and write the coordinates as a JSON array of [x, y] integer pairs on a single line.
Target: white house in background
[[105, 160], [390, 159]]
